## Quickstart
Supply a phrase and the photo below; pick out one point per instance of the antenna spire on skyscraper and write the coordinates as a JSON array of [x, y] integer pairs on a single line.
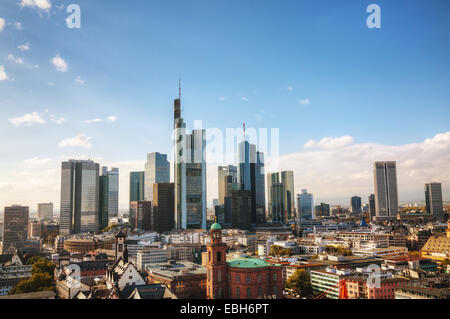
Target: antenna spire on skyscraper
[[244, 130], [179, 88]]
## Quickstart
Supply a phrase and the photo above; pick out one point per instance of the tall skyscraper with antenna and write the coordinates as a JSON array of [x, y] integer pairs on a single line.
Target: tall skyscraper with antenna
[[189, 173]]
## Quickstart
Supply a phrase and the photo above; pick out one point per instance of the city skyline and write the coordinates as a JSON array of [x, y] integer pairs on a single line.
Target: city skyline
[[67, 107]]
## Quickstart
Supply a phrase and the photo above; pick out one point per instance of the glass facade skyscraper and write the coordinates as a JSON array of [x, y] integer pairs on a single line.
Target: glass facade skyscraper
[[137, 186], [433, 200], [157, 170], [287, 178], [305, 205], [386, 195], [79, 197]]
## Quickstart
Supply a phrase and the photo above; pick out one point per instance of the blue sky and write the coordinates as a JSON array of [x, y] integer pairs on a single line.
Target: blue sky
[[251, 61]]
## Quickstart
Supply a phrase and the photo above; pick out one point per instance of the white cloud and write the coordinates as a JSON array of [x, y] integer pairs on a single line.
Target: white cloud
[[222, 98], [81, 140], [17, 26], [57, 120], [245, 99], [50, 83], [28, 119], [335, 174], [40, 4], [3, 75], [329, 142], [59, 64], [304, 102], [111, 118], [79, 80], [12, 58], [2, 24], [24, 47], [290, 88]]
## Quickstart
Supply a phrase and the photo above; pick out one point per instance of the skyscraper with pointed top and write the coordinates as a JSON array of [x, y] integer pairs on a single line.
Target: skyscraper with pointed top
[[189, 173]]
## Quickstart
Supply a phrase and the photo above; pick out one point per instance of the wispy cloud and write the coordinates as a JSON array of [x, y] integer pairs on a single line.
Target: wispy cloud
[[245, 99], [57, 120], [17, 26], [24, 47], [2, 24], [60, 64], [3, 75], [79, 80], [81, 140], [111, 118], [221, 98], [304, 101], [290, 88], [28, 119], [14, 59], [36, 161]]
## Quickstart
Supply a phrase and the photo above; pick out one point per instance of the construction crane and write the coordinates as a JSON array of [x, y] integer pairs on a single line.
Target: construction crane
[[343, 294]]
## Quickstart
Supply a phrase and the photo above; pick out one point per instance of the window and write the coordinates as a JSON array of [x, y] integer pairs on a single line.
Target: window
[[249, 279], [219, 292], [249, 293], [275, 290], [238, 292], [238, 278], [219, 256], [219, 275], [274, 277], [209, 256], [259, 278], [260, 294]]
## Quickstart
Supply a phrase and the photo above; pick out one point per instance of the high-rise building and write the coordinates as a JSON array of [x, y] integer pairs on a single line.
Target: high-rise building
[[323, 210], [277, 203], [433, 200], [241, 203], [372, 210], [157, 170], [137, 186], [79, 197], [271, 179], [386, 194], [141, 215], [226, 176], [305, 204], [355, 204], [113, 193], [287, 178], [259, 189], [189, 174], [163, 207], [103, 199], [45, 211], [246, 155], [15, 228]]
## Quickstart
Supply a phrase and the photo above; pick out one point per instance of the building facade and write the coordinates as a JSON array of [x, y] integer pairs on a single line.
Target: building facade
[[15, 228], [45, 211], [305, 204], [157, 170], [386, 194], [433, 200]]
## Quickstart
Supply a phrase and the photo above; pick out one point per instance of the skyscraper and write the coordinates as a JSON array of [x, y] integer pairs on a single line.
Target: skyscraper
[[103, 199], [287, 178], [433, 200], [189, 174], [271, 179], [137, 186], [305, 204], [157, 170], [372, 210], [226, 176], [45, 211], [79, 197], [246, 155], [277, 203], [386, 195], [163, 207], [15, 228], [260, 189], [241, 202], [355, 204], [113, 193]]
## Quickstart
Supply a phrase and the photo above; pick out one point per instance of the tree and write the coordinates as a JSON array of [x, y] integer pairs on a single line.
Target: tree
[[278, 251], [40, 280], [444, 264], [300, 282]]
